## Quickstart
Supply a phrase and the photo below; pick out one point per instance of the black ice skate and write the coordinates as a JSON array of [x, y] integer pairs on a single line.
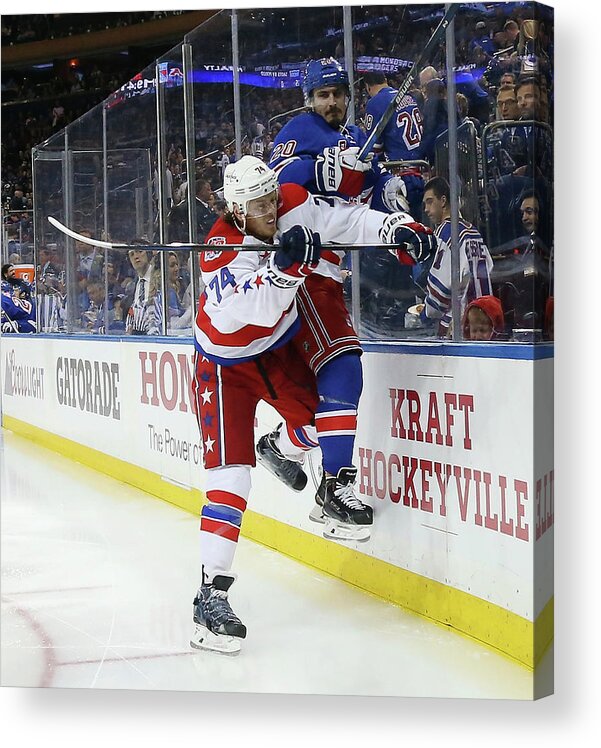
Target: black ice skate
[[344, 515], [288, 471], [217, 626]]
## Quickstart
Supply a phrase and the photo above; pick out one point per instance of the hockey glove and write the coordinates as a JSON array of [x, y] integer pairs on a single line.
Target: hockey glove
[[296, 258], [418, 240], [394, 195], [403, 193], [339, 170], [414, 241]]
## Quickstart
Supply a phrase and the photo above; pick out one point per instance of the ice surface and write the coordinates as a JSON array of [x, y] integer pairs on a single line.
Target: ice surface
[[97, 586]]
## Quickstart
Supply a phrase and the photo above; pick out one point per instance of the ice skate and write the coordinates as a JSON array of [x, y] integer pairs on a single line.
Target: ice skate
[[344, 515], [288, 471], [217, 628]]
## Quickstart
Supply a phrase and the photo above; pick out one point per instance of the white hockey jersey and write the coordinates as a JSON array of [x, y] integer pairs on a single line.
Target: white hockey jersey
[[241, 312], [475, 268]]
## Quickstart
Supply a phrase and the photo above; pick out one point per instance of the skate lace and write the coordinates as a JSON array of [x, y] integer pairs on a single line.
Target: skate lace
[[272, 444], [346, 494], [219, 609]]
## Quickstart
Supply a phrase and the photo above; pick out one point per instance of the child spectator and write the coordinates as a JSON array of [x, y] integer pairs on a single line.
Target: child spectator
[[483, 319]]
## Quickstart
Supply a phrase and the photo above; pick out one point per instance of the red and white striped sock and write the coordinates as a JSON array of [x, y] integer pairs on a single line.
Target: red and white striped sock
[[227, 489]]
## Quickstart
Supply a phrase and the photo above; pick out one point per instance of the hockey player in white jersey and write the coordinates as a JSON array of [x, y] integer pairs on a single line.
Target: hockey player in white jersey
[[475, 261], [250, 347]]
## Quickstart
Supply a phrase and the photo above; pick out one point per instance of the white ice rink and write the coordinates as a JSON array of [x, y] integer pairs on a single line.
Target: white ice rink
[[97, 587]]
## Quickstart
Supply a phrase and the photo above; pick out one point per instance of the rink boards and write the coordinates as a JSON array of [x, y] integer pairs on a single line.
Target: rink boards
[[454, 450]]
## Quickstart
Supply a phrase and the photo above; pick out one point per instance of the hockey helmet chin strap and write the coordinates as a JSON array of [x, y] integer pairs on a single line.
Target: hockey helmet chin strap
[[239, 218]]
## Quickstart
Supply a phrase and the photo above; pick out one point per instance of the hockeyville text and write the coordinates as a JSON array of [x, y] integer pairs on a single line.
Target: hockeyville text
[[499, 504]]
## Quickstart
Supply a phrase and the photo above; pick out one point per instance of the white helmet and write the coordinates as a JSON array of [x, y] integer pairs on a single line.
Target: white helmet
[[246, 180]]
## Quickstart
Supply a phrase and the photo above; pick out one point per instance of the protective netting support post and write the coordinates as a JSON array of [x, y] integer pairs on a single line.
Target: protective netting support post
[[161, 159], [236, 71], [69, 246], [36, 240], [189, 138], [161, 168], [105, 217], [347, 18], [188, 65], [453, 171]]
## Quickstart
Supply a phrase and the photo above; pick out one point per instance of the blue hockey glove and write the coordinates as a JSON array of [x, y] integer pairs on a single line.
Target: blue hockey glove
[[296, 258]]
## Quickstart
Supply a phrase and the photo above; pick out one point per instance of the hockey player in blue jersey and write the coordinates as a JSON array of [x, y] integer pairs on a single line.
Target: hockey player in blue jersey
[[402, 136], [319, 151], [18, 308]]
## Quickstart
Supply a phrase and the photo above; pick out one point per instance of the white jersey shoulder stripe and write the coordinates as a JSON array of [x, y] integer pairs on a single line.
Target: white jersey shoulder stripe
[[283, 164]]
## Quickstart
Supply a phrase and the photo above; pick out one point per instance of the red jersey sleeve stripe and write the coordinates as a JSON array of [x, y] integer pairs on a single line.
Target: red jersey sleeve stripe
[[330, 256], [293, 195], [436, 295], [238, 339]]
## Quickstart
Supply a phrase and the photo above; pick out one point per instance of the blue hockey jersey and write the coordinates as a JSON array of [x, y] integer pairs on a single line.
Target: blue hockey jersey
[[303, 139], [402, 136], [18, 315]]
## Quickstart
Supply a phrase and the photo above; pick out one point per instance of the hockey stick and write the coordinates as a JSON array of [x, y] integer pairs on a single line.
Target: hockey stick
[[286, 114], [406, 84], [189, 246]]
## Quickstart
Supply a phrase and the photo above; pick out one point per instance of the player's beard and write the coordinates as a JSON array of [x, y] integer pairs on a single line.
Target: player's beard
[[334, 117]]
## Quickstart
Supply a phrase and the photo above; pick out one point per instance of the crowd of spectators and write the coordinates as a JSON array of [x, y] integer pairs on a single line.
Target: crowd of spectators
[[31, 28], [504, 75], [114, 292], [76, 77], [35, 108]]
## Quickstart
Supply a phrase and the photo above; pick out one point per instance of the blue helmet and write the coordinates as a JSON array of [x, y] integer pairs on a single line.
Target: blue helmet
[[324, 72]]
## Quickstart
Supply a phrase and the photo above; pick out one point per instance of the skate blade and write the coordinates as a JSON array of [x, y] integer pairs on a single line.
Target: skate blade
[[202, 638], [338, 531], [316, 515]]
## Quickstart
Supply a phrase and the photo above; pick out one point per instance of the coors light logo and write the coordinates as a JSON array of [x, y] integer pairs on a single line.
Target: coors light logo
[[21, 380]]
